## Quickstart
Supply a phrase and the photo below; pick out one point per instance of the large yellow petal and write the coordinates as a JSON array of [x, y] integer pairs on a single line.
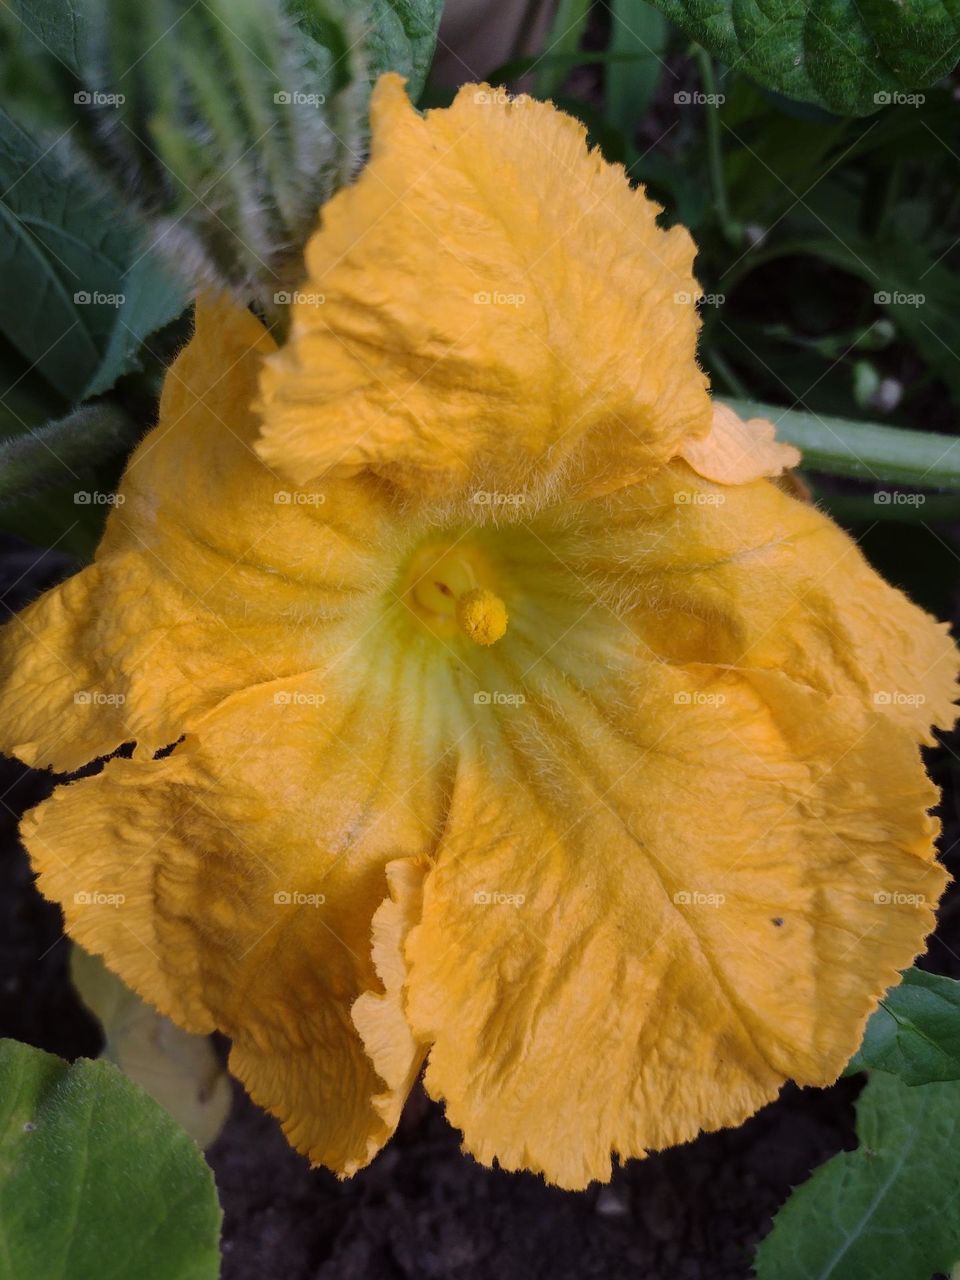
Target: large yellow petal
[[748, 576], [490, 304], [213, 574], [235, 883], [651, 911]]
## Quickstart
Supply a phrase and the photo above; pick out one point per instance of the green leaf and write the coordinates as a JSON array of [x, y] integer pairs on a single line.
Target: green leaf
[[403, 35], [846, 56], [97, 1182], [866, 450], [886, 1211], [769, 156], [181, 1071], [40, 42], [51, 25], [915, 1034], [78, 293]]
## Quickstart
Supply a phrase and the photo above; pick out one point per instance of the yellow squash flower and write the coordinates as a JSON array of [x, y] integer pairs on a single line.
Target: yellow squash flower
[[520, 724]]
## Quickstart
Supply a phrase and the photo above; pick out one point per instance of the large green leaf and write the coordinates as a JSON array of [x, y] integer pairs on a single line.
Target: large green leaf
[[402, 38], [915, 1034], [887, 1211], [847, 56], [78, 292], [97, 1182]]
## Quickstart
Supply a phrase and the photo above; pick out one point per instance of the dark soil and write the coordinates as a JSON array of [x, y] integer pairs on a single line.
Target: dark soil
[[423, 1209]]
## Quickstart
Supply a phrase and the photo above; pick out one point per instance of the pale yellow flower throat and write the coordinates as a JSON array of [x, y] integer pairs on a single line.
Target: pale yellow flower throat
[[447, 592]]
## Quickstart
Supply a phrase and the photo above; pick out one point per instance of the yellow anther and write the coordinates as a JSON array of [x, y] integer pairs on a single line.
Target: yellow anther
[[482, 616]]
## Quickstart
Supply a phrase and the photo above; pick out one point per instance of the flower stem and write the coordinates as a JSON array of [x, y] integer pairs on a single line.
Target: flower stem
[[714, 149], [867, 450]]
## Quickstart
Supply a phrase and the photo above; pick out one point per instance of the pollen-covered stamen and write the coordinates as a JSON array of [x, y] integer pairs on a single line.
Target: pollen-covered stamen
[[482, 616], [449, 594]]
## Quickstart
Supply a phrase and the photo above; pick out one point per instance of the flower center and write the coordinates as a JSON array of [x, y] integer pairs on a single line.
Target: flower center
[[449, 592]]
